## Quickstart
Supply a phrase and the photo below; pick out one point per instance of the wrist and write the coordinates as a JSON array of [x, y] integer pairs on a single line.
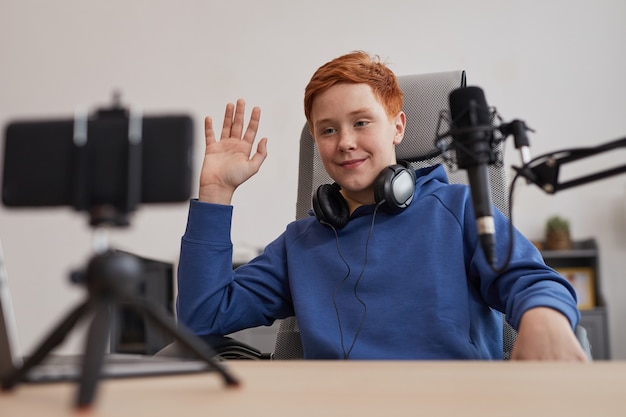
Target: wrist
[[543, 317], [216, 194]]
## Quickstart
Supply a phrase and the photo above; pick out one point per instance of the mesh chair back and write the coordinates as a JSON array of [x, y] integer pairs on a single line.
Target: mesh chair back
[[425, 96]]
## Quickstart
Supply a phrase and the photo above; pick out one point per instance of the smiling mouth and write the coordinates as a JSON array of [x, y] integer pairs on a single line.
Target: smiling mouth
[[352, 163]]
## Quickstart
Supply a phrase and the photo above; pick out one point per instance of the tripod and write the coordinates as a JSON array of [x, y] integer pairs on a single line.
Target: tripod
[[111, 277], [108, 182]]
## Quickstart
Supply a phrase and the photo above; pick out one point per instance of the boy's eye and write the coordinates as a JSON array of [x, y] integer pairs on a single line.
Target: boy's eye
[[361, 123], [328, 131]]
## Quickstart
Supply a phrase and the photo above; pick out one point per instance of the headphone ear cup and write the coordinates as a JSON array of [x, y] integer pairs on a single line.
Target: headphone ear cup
[[395, 185], [330, 207]]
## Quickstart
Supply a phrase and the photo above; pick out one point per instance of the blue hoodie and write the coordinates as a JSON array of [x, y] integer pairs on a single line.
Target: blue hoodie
[[413, 285]]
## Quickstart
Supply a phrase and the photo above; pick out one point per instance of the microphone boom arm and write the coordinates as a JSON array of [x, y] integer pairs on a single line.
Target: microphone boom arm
[[544, 170]]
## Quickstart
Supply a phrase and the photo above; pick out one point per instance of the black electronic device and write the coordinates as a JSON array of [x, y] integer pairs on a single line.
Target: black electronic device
[[393, 189], [475, 132], [109, 161], [104, 165], [473, 140]]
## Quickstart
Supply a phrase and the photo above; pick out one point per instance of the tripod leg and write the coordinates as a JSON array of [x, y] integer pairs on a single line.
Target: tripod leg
[[183, 336], [118, 274], [94, 353], [53, 340]]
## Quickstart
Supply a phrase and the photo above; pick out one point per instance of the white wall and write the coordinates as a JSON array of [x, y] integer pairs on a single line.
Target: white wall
[[559, 65]]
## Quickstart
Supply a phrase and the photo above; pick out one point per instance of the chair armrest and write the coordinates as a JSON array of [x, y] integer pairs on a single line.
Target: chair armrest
[[224, 347]]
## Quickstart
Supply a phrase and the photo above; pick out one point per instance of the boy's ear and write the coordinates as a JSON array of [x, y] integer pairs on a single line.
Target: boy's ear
[[400, 124]]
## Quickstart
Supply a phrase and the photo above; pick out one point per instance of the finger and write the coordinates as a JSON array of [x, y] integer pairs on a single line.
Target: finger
[[260, 155], [237, 127], [253, 125], [209, 134], [228, 121]]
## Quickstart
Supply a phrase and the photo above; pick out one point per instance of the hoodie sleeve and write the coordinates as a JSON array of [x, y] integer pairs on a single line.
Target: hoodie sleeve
[[526, 282], [212, 297]]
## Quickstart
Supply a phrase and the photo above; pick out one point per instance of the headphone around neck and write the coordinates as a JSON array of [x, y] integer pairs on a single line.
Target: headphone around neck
[[393, 190]]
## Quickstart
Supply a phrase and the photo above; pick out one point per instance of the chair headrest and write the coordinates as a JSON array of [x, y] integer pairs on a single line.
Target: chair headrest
[[425, 96]]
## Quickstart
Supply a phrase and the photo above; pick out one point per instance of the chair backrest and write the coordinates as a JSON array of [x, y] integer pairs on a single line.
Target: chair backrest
[[425, 96]]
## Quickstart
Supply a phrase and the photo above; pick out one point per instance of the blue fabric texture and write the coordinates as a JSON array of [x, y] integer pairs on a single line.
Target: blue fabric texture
[[413, 285]]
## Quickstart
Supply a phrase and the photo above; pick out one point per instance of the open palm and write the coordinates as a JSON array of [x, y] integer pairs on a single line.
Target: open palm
[[227, 162]]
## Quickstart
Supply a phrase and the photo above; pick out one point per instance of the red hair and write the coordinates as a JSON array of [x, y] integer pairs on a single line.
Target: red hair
[[357, 68]]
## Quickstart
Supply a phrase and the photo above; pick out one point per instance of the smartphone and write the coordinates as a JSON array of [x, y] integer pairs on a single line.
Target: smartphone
[[44, 166]]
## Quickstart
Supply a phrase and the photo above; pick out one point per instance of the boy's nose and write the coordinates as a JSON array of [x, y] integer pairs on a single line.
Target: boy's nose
[[347, 141]]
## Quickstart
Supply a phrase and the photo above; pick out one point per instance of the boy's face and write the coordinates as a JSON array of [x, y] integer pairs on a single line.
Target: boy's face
[[355, 137]]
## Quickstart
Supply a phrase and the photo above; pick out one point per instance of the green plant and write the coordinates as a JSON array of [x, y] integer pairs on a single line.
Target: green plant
[[557, 223]]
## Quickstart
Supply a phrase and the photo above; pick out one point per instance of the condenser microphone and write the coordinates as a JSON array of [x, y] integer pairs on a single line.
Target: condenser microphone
[[472, 139]]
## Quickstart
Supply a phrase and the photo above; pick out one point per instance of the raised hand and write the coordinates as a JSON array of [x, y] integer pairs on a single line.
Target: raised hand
[[227, 163]]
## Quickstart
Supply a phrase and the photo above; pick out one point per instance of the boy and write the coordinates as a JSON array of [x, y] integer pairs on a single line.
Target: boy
[[360, 286]]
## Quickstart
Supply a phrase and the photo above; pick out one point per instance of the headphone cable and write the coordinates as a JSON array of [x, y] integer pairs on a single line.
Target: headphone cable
[[346, 354]]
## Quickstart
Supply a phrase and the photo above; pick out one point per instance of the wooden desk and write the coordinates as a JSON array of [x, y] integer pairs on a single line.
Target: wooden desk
[[311, 388]]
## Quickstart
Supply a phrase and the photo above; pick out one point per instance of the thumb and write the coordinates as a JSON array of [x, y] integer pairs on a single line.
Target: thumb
[[260, 155]]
